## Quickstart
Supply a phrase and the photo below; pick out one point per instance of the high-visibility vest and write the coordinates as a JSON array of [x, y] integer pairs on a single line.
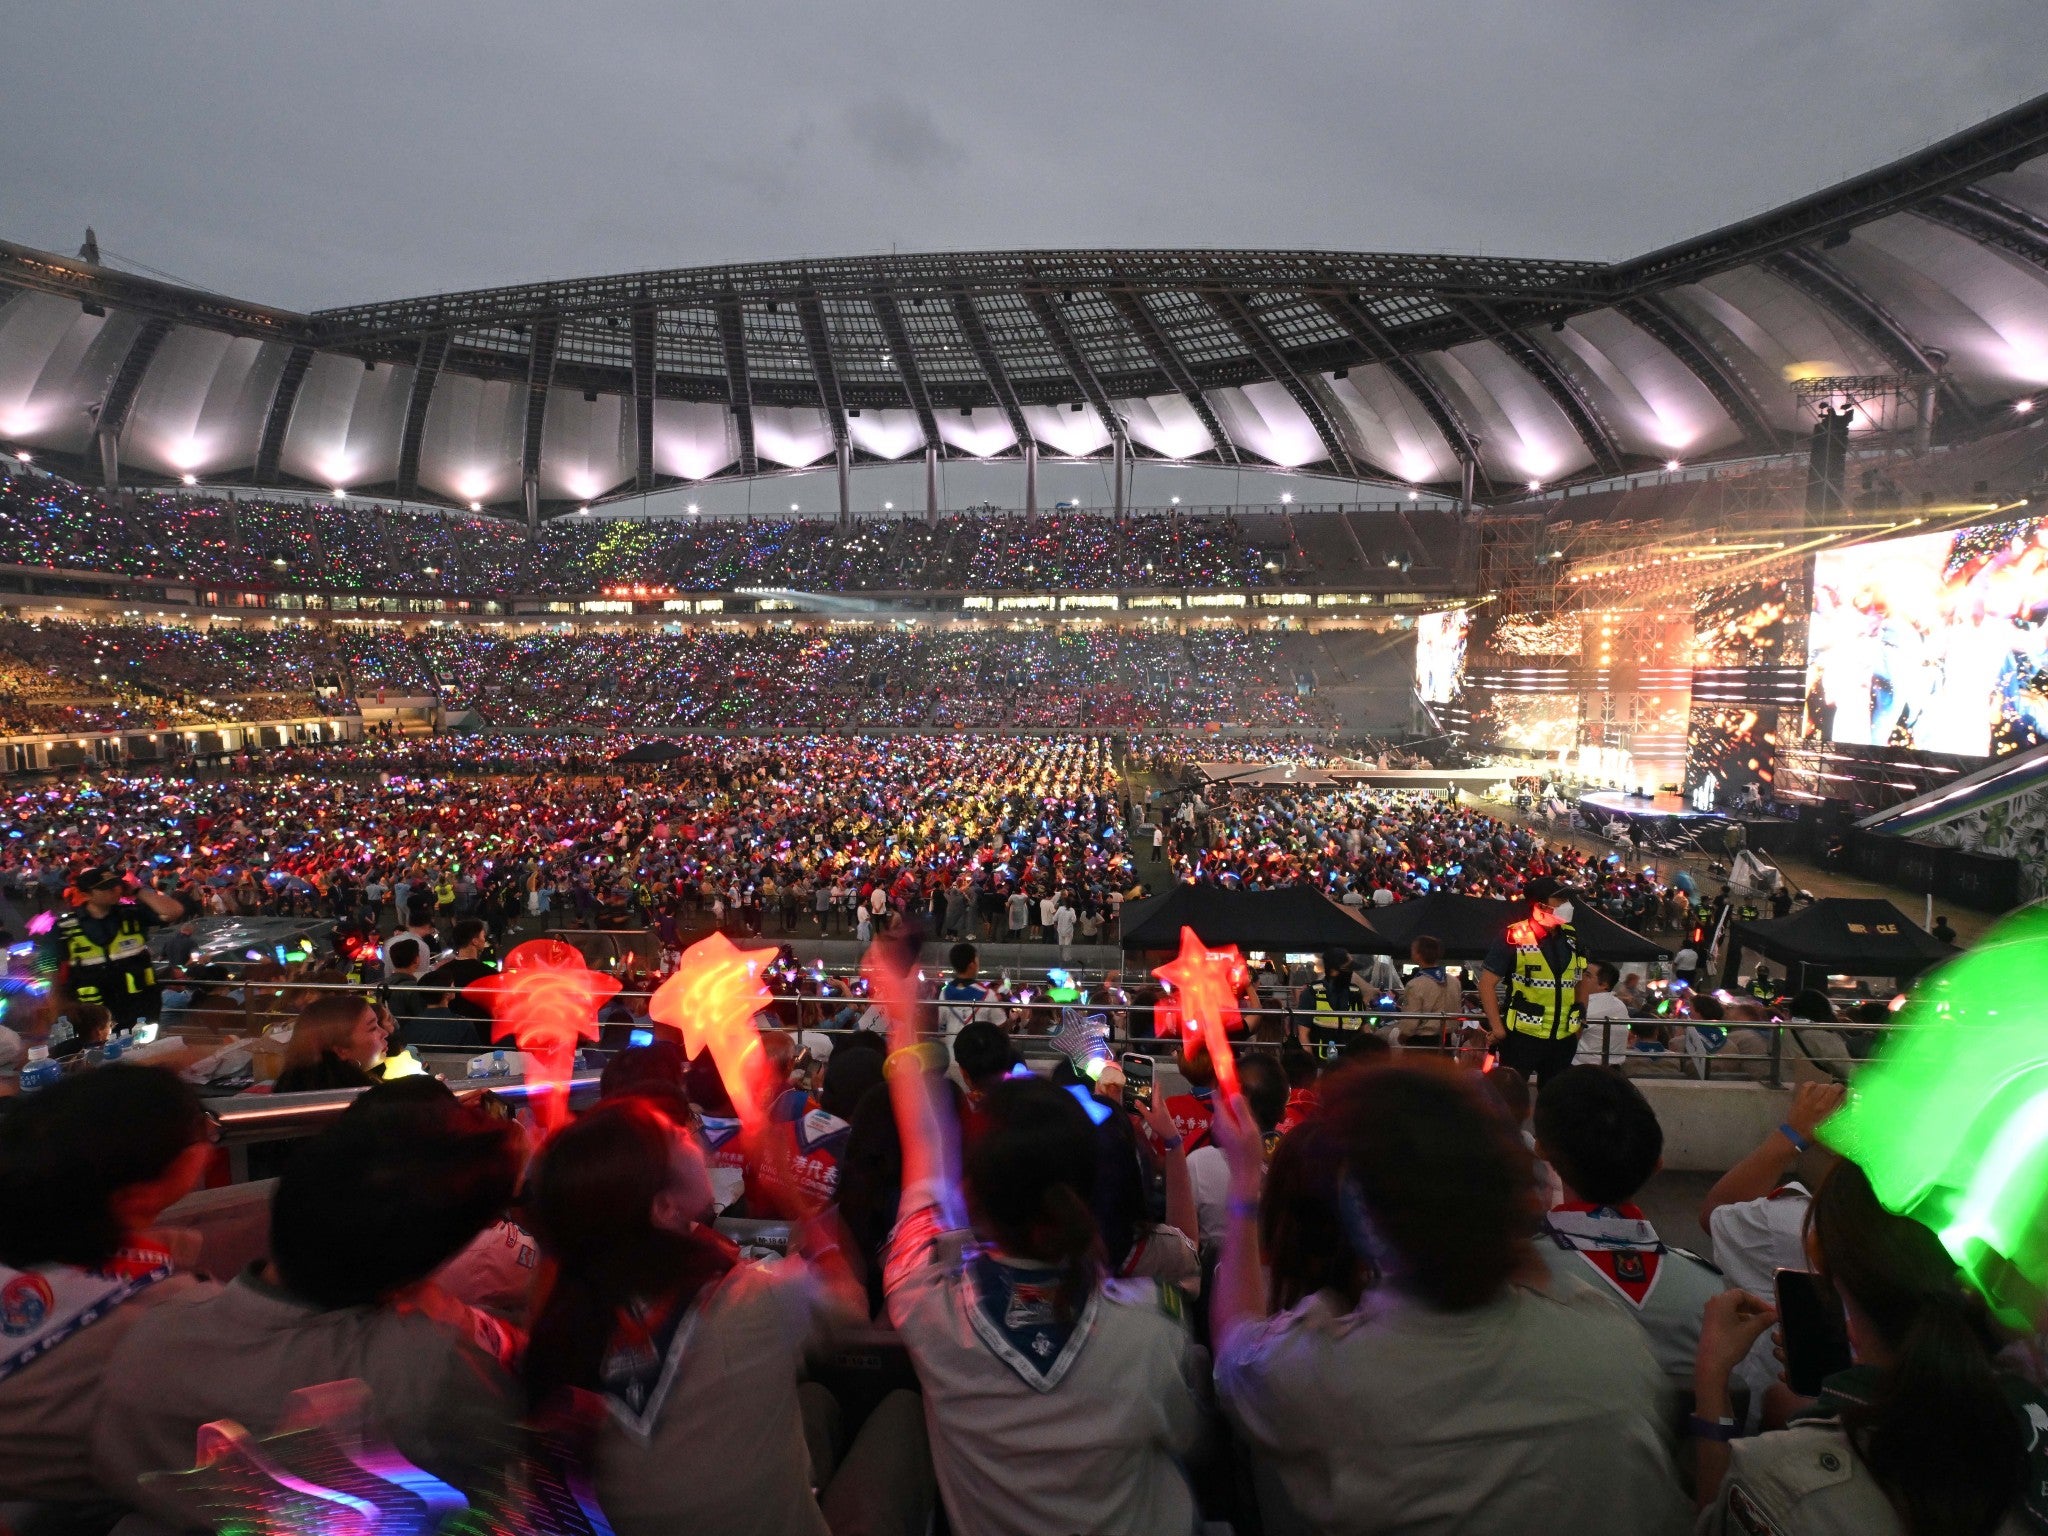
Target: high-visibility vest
[[1543, 1002], [1329, 1016], [92, 969]]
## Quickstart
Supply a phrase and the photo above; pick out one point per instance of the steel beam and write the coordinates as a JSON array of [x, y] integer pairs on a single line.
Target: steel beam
[[739, 391], [1236, 314], [643, 397], [1046, 311], [433, 351], [1658, 319], [969, 320], [540, 373], [1555, 382], [1980, 217], [1436, 405], [1835, 291], [904, 359], [120, 396], [277, 421], [1141, 320], [818, 342]]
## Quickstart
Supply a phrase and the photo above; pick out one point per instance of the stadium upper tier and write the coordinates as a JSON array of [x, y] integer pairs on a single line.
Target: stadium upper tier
[[1400, 369]]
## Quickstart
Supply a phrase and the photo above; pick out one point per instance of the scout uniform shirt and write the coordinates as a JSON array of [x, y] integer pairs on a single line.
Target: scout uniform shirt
[[1616, 1250]]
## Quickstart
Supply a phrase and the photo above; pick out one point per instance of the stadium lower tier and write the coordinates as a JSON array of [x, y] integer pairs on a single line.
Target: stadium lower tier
[[69, 676]]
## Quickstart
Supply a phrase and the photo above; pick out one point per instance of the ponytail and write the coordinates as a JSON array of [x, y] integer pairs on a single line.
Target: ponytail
[[1938, 1433]]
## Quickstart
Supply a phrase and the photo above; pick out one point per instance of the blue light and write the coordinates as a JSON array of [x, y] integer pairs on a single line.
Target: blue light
[[1097, 1110]]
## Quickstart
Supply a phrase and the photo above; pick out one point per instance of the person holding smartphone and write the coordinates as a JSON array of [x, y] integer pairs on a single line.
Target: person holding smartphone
[[1924, 1434]]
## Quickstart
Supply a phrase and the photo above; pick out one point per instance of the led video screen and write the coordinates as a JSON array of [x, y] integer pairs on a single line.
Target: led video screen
[[1440, 655], [1938, 642]]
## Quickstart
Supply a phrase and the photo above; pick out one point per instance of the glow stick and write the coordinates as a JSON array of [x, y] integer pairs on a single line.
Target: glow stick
[[547, 999], [712, 999], [1205, 983]]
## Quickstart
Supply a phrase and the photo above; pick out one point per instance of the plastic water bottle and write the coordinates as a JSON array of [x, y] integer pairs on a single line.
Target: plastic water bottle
[[38, 1070]]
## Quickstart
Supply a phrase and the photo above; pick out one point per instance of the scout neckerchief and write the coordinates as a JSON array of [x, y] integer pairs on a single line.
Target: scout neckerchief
[[1617, 1240], [41, 1308], [1015, 1312]]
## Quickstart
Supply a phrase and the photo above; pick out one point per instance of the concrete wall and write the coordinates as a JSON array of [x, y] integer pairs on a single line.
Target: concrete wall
[[1709, 1127]]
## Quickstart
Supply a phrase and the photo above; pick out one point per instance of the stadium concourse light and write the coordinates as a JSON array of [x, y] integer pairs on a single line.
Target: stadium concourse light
[[888, 506], [1415, 495], [476, 506], [2022, 406], [189, 479], [340, 494], [1176, 501], [22, 454], [1286, 497], [1535, 485], [1672, 466], [693, 506]]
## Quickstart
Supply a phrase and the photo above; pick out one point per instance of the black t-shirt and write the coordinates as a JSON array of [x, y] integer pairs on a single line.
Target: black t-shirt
[[453, 976]]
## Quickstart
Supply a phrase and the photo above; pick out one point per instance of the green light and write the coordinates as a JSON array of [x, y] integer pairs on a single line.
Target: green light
[[1951, 1119]]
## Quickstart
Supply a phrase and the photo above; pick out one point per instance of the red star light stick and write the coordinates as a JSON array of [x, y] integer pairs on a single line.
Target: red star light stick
[[547, 999], [1205, 983], [712, 999]]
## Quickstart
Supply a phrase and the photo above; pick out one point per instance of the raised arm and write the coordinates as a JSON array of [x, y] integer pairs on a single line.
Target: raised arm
[[931, 1155], [1239, 1299], [1766, 1167]]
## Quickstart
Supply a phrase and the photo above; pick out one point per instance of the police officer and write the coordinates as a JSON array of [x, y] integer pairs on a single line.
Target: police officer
[[1547, 984], [99, 945], [1334, 1008]]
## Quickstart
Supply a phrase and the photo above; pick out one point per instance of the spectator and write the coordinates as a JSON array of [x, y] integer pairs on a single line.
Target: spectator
[[1604, 1040], [960, 996], [1453, 1398], [1429, 996], [87, 1166], [336, 1041], [359, 1220], [1923, 1436], [465, 963], [1300, 1229], [1266, 1091], [696, 1354], [1595, 1128], [1067, 1402], [1943, 931], [985, 1056]]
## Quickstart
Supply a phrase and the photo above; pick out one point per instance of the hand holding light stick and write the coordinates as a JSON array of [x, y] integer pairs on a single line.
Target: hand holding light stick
[[712, 999]]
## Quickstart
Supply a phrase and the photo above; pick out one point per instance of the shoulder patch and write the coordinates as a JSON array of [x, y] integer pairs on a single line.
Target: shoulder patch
[[1156, 1294]]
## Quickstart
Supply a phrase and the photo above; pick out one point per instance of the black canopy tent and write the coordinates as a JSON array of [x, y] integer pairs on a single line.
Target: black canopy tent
[[1468, 926], [1290, 917], [1838, 936], [652, 752]]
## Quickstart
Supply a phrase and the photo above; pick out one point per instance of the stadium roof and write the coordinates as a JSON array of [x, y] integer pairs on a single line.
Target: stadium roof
[[1390, 368]]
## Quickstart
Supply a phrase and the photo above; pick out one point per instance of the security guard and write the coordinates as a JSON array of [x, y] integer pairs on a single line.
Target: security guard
[[1547, 985], [99, 945], [1334, 1008]]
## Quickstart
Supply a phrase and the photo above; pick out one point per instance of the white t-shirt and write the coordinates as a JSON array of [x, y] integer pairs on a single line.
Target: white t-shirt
[[1752, 1241], [1596, 1035], [1686, 961], [1209, 1172], [1063, 921]]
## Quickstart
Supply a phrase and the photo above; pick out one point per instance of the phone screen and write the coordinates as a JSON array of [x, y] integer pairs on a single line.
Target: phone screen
[[1138, 1077], [1816, 1337]]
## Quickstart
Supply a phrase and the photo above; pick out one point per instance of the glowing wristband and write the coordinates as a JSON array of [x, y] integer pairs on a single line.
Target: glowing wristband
[[1242, 1209]]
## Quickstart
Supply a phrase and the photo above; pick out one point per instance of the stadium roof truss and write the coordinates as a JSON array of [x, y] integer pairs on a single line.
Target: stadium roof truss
[[1389, 368]]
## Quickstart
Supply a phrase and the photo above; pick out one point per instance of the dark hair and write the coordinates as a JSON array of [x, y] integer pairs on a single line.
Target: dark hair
[[1812, 1005], [962, 955], [1444, 1181], [1510, 1090], [984, 1052], [1302, 1067], [706, 1087], [1707, 1006], [466, 932], [1300, 1229], [1265, 1089], [1335, 960], [848, 1077], [1938, 1433], [858, 1041], [405, 953], [871, 1186], [649, 1072], [1364, 1048], [67, 1151], [1123, 1176], [1428, 949], [1029, 1173], [1598, 1131], [1606, 972], [389, 1193], [590, 1203]]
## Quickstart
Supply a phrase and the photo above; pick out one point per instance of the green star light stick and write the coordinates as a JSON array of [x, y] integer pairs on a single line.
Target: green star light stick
[[1950, 1120]]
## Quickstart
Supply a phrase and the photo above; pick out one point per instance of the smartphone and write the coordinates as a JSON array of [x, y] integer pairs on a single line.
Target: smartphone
[[1138, 1076], [639, 1037], [1813, 1330]]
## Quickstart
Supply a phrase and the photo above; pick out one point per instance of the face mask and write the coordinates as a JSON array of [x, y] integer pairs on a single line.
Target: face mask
[[1562, 912]]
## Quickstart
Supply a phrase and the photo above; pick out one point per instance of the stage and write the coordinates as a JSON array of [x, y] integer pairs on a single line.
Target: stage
[[1667, 820]]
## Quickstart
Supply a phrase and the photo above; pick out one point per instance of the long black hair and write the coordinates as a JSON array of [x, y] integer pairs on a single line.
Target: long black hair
[[1938, 1433], [1030, 1170], [590, 1203]]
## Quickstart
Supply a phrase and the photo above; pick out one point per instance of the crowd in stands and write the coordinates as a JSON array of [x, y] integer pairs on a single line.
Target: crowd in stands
[[63, 674], [1381, 1295], [361, 546]]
